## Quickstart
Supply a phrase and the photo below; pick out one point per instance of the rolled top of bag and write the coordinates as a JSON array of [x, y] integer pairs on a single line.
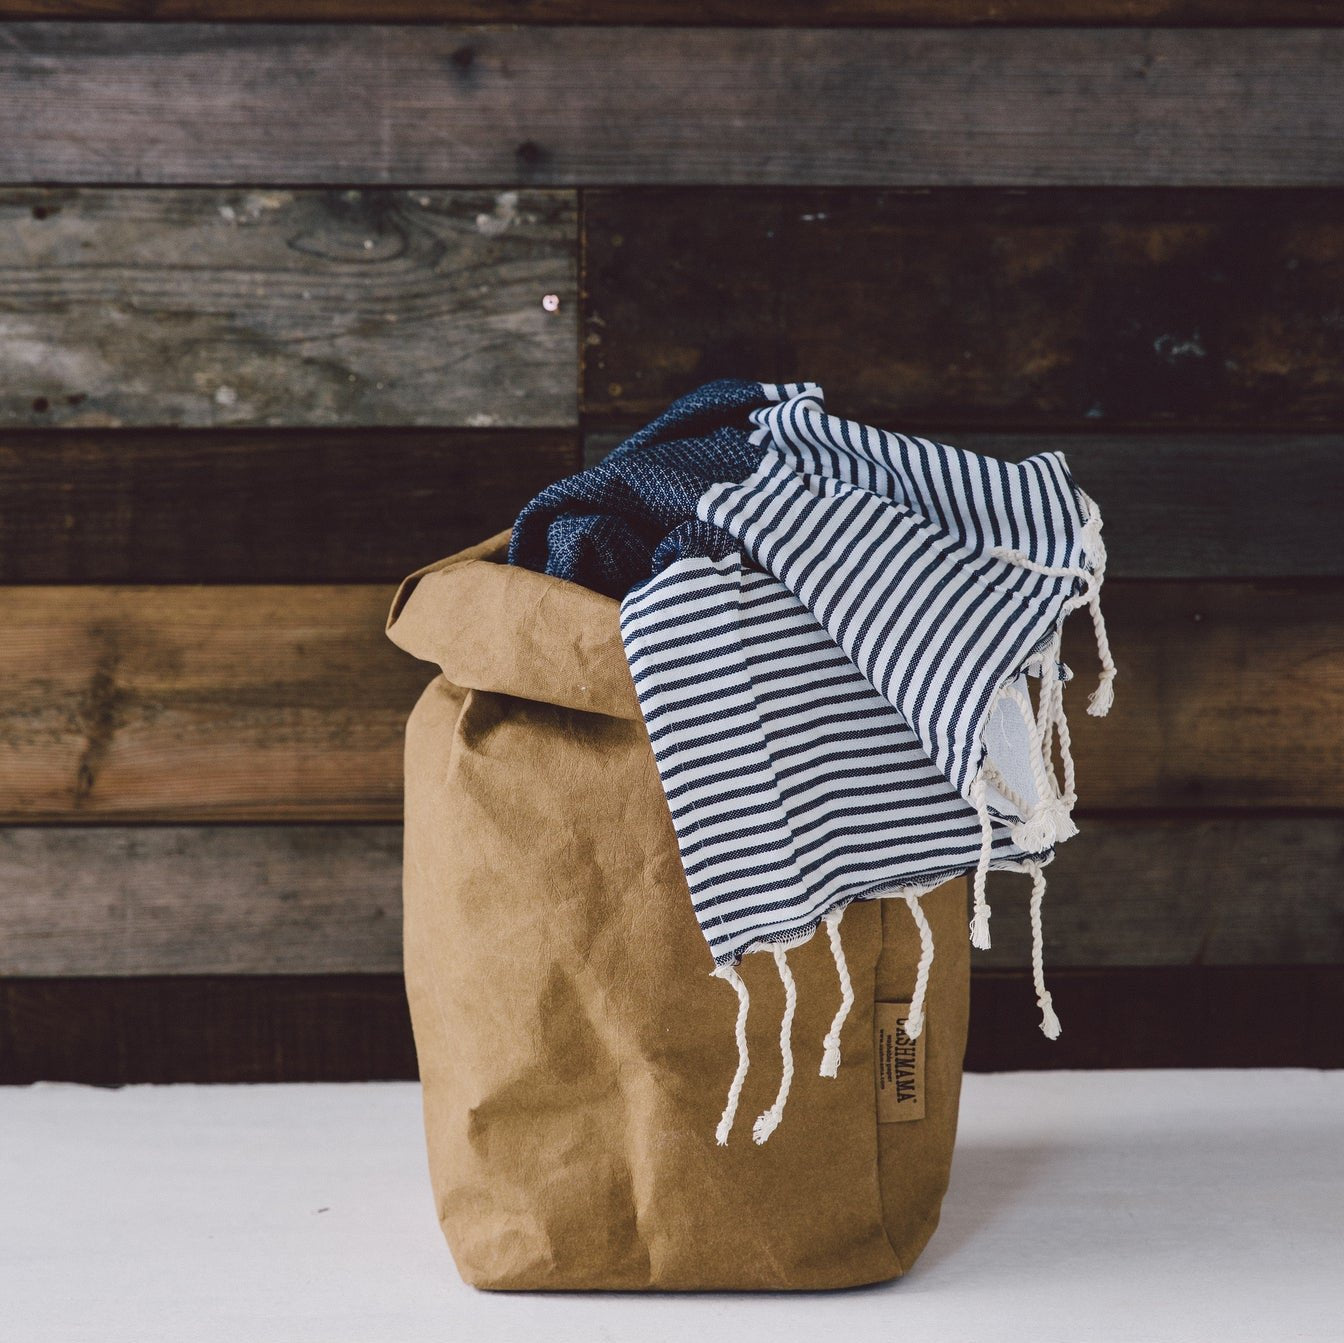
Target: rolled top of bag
[[490, 625]]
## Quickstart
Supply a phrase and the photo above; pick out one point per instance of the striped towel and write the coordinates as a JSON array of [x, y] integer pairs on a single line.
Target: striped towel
[[832, 646]]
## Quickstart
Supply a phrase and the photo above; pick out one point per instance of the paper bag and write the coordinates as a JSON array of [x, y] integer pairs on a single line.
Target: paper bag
[[574, 1049]]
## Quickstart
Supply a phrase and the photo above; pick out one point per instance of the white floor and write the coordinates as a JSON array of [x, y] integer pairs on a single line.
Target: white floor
[[1205, 1207]]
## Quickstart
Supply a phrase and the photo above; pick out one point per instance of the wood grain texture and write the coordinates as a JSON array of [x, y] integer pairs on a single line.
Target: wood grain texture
[[1207, 505], [343, 506], [1229, 695], [1097, 309], [262, 307], [1241, 1016], [287, 703], [174, 703], [209, 1028], [210, 104], [345, 1028], [199, 900], [757, 13], [1146, 891], [250, 506]]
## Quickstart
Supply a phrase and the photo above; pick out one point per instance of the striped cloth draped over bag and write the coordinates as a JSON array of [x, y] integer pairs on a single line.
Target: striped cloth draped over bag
[[832, 630]]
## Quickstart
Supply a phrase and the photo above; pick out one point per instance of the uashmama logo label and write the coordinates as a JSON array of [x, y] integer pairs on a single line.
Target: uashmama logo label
[[900, 1065]]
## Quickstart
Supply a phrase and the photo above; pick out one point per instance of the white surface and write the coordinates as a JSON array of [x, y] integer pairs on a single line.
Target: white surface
[[1085, 1207]]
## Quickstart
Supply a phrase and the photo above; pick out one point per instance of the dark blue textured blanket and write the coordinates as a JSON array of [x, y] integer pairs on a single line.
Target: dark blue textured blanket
[[630, 516]]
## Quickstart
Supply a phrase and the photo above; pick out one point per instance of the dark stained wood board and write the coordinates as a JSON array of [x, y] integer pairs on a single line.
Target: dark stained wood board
[[1186, 505], [296, 899], [800, 13], [1165, 891], [253, 306], [1261, 1016], [281, 703], [1229, 695], [225, 506], [254, 506], [127, 103], [343, 1028], [208, 1028], [1098, 309], [191, 900]]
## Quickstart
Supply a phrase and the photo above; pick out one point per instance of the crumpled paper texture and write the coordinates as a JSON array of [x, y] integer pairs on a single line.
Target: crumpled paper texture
[[573, 1047]]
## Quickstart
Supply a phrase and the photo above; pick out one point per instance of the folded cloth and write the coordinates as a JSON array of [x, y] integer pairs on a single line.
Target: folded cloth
[[831, 643], [620, 521], [794, 786]]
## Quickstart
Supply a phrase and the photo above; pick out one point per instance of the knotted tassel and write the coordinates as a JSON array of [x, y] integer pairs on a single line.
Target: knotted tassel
[[980, 914], [1100, 701], [1050, 1027], [728, 973], [830, 1055], [914, 1022], [1037, 833], [769, 1121]]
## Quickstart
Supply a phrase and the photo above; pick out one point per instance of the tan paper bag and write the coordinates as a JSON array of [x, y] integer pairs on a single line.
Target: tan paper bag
[[573, 1047]]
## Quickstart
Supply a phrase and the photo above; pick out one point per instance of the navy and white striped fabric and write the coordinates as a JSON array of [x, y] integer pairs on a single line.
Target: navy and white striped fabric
[[822, 700], [793, 785], [890, 542]]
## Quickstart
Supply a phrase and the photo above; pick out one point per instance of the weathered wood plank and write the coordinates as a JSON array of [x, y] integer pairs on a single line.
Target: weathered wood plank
[[345, 506], [261, 307], [146, 900], [210, 1028], [286, 703], [297, 506], [186, 900], [174, 703], [1229, 696], [1205, 506], [345, 1028], [758, 13], [203, 103], [1162, 1017], [952, 308], [1215, 505], [1165, 892]]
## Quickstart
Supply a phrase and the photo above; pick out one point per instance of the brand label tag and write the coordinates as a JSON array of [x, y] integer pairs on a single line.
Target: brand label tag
[[900, 1065]]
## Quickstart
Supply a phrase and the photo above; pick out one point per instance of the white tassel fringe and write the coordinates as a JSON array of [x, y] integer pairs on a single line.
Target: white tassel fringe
[[768, 1122], [914, 1023], [830, 1054], [728, 973], [980, 914], [1050, 1027]]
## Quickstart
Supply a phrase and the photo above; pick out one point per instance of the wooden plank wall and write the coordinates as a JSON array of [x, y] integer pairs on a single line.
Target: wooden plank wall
[[289, 308]]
